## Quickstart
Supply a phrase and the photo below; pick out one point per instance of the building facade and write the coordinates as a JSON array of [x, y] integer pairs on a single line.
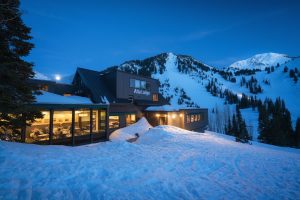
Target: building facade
[[97, 103]]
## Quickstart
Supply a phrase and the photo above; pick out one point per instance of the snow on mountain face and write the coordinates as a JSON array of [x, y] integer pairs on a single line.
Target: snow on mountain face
[[40, 76], [182, 78], [261, 61], [183, 82]]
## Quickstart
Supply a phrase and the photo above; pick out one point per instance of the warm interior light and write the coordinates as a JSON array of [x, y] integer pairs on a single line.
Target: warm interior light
[[83, 115], [157, 115], [174, 116], [180, 115]]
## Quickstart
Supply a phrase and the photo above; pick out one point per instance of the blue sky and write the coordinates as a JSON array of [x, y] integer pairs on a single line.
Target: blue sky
[[98, 34]]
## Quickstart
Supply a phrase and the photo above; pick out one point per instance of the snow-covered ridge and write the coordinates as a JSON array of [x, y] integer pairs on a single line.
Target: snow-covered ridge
[[40, 76], [261, 61]]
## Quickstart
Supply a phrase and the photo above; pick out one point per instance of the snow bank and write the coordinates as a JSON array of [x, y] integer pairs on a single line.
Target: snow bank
[[165, 163], [159, 133], [129, 132]]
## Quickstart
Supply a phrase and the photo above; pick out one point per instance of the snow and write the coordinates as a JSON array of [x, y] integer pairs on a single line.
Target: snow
[[261, 61], [165, 163], [281, 85], [122, 134], [168, 108], [51, 98], [251, 118], [189, 82], [40, 76]]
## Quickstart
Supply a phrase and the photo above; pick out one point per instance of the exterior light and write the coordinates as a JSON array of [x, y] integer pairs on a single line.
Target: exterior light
[[57, 77]]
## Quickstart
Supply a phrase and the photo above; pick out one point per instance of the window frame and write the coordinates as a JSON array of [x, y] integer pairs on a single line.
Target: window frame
[[155, 97]]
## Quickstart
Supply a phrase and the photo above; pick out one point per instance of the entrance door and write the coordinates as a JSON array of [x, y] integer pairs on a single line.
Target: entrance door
[[162, 120]]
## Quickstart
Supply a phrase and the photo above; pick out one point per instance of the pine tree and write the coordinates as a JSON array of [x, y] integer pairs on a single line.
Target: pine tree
[[264, 123], [297, 133], [281, 125], [15, 91], [242, 133], [235, 128], [229, 127]]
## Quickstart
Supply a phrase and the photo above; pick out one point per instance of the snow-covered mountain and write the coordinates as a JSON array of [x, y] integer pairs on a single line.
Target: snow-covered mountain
[[67, 79], [40, 76], [261, 61], [184, 81]]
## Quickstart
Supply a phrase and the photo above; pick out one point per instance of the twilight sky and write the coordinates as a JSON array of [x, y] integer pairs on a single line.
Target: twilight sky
[[97, 34]]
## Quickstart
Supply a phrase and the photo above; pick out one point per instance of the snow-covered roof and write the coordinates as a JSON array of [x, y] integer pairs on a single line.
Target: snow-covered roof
[[168, 108], [51, 98]]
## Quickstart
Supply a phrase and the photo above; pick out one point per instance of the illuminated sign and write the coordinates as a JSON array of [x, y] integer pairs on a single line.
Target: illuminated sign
[[143, 92]]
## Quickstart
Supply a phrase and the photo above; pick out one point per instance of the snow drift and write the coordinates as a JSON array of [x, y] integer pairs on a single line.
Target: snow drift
[[140, 127], [167, 163]]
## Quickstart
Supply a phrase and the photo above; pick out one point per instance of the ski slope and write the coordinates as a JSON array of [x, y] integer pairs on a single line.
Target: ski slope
[[261, 61], [164, 163]]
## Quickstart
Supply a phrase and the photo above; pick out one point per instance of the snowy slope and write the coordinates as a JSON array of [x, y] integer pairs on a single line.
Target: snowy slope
[[40, 76], [261, 61], [183, 80], [191, 80], [166, 163], [281, 85], [190, 83]]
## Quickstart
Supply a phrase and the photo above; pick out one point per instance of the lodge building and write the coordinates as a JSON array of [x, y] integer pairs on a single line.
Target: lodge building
[[97, 103]]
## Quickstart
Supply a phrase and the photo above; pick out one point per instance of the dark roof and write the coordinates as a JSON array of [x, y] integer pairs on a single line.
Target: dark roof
[[54, 87], [97, 84]]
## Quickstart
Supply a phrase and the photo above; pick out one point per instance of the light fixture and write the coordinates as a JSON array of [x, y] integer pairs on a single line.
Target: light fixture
[[174, 116], [180, 115], [157, 115], [57, 77]]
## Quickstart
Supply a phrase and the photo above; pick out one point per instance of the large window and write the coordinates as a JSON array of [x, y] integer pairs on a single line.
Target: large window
[[39, 130], [114, 121], [62, 123], [102, 120], [130, 119], [139, 84], [82, 122]]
